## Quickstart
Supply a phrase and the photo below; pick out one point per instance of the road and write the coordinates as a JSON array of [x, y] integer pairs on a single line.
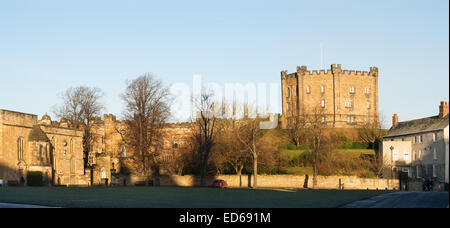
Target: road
[[13, 205], [404, 200]]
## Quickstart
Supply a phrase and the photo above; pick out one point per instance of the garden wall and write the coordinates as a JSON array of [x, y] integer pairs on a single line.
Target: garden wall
[[286, 181]]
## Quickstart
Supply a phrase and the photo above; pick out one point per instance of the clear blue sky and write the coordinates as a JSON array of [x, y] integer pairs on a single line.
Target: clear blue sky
[[49, 46]]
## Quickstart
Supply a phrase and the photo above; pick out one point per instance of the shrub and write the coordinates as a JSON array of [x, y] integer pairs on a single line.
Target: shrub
[[34, 178]]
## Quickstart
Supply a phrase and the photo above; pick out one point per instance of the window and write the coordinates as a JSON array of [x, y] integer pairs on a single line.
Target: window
[[308, 89], [40, 151], [323, 119], [414, 139], [420, 154], [352, 90], [414, 155], [403, 139], [72, 165], [71, 145], [435, 156], [348, 103], [322, 89], [20, 149], [421, 139], [124, 151], [394, 155], [418, 171], [366, 90], [103, 173], [406, 155], [434, 171], [368, 104], [322, 103], [435, 136], [289, 92], [350, 119]]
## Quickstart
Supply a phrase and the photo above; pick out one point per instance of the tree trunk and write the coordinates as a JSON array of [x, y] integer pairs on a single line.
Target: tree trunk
[[255, 171]]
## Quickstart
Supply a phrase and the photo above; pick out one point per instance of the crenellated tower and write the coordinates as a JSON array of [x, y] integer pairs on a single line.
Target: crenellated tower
[[347, 98]]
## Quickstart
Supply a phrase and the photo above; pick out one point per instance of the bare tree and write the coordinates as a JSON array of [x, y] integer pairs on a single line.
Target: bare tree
[[204, 129], [81, 105], [371, 132], [316, 138], [147, 109], [229, 149], [249, 134]]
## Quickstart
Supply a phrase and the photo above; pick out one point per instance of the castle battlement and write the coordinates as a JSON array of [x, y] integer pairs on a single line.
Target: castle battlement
[[335, 68], [328, 88]]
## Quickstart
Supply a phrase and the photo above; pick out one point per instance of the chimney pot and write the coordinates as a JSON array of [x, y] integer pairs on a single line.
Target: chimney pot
[[394, 120]]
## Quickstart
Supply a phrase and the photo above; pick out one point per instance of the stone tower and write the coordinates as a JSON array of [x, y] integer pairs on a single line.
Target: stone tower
[[347, 98]]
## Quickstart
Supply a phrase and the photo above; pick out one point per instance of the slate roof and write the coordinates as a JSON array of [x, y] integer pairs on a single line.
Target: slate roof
[[37, 135], [433, 123]]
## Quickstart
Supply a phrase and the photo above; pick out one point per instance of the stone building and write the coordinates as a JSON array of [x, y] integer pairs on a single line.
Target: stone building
[[56, 150], [347, 98], [29, 144], [110, 153], [419, 148]]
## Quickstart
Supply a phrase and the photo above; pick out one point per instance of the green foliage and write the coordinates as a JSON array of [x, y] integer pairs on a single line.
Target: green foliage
[[34, 178]]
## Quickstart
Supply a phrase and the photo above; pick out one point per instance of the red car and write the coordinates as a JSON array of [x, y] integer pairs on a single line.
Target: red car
[[220, 184]]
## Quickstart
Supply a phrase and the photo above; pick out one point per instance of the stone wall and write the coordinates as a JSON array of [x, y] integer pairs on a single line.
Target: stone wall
[[281, 181]]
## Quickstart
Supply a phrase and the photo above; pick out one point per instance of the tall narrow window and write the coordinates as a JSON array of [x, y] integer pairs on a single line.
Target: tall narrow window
[[435, 136], [71, 145], [366, 91], [124, 151], [308, 89], [20, 149], [435, 156], [289, 92], [322, 89], [40, 152], [368, 104], [72, 165], [322, 103], [434, 171]]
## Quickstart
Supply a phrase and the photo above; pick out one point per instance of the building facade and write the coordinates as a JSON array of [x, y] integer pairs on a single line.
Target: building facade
[[419, 148], [56, 150], [28, 144], [347, 98]]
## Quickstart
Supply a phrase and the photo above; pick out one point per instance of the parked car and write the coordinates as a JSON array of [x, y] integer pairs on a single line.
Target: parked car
[[220, 184]]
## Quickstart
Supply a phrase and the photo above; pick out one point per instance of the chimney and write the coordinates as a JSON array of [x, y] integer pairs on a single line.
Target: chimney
[[443, 109], [394, 120]]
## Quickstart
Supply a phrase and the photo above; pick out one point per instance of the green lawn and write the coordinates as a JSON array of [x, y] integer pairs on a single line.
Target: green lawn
[[176, 197]]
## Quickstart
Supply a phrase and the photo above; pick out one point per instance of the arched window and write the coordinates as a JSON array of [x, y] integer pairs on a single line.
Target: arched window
[[103, 173], [124, 151], [41, 155], [20, 149], [71, 145]]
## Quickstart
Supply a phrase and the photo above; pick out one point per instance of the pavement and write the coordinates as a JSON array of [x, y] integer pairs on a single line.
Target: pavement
[[404, 200], [13, 205]]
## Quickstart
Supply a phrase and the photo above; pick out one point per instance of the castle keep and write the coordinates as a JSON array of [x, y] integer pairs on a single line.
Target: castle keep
[[347, 98]]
